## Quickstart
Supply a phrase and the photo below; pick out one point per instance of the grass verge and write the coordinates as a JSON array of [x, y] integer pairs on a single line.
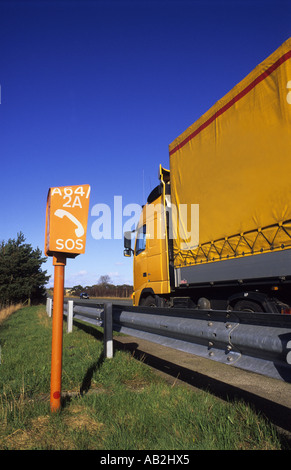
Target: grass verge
[[5, 312], [108, 404]]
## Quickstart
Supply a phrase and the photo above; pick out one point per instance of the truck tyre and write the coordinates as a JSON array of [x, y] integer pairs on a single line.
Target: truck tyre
[[247, 306], [148, 301]]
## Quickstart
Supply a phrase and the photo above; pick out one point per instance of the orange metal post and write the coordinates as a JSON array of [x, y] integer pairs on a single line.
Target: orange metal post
[[59, 262]]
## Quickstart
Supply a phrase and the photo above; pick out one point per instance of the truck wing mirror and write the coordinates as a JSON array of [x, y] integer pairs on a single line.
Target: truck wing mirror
[[127, 244]]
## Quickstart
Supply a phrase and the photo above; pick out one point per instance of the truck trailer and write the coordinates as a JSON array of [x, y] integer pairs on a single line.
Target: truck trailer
[[216, 231]]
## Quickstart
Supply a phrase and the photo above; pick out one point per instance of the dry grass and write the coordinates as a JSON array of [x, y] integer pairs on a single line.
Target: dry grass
[[43, 432], [7, 311]]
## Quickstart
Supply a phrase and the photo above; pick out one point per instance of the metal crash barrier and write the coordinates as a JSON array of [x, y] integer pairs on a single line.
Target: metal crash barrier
[[257, 342]]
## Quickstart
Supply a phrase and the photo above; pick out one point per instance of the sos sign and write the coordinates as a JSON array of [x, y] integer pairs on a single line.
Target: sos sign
[[66, 220]]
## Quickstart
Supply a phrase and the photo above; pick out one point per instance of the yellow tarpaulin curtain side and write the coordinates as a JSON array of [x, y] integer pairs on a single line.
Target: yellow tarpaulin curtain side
[[235, 163]]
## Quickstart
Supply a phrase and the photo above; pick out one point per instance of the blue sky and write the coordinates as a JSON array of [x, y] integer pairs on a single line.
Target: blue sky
[[93, 92]]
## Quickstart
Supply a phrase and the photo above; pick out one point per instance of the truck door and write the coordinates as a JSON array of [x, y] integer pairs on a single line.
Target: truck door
[[157, 249], [151, 261], [140, 261]]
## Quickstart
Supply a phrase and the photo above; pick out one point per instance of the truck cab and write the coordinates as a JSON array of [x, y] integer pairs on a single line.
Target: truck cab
[[151, 253]]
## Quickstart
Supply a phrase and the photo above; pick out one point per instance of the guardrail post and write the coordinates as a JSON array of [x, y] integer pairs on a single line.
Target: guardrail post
[[108, 331], [49, 304], [70, 316]]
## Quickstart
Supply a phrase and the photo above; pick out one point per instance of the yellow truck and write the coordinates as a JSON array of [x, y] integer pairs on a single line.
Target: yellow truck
[[216, 231]]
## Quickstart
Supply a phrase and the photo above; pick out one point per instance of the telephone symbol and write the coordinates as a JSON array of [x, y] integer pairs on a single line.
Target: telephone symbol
[[79, 231]]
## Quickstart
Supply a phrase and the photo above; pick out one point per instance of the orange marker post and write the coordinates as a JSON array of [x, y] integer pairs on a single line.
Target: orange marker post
[[59, 262]]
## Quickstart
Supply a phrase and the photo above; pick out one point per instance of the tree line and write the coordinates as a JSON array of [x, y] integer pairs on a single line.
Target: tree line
[[22, 279], [103, 288], [21, 276]]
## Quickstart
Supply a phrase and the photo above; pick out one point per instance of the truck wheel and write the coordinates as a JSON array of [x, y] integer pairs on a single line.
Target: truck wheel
[[148, 301], [247, 306]]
